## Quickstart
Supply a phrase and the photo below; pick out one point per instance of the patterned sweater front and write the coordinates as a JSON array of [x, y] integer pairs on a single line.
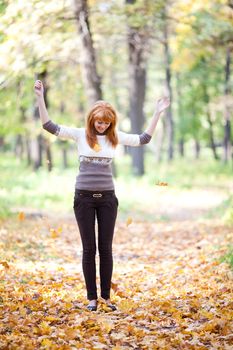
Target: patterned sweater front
[[95, 170]]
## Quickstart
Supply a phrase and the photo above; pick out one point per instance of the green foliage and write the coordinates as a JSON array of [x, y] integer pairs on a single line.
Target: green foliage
[[228, 257], [228, 215], [22, 188], [36, 36]]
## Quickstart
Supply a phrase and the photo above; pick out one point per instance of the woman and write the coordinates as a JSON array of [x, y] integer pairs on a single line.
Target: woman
[[94, 188]]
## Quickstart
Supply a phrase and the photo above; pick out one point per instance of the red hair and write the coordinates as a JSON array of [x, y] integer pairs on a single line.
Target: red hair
[[101, 111]]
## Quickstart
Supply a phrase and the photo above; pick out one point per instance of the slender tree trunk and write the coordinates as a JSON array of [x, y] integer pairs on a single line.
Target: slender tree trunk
[[92, 80], [181, 141], [181, 147], [1, 142], [197, 148], [227, 126], [48, 154], [19, 147], [64, 158], [211, 134], [28, 150], [210, 122], [170, 122]]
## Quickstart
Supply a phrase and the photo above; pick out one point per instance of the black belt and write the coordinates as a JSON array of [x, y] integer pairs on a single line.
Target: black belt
[[95, 194]]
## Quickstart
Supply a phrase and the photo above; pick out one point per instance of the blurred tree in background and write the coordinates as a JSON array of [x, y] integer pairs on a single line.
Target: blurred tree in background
[[128, 52]]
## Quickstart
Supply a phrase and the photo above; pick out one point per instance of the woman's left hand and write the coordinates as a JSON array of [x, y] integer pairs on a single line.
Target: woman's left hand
[[162, 104]]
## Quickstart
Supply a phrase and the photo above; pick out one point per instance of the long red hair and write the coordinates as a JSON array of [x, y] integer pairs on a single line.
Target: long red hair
[[105, 112]]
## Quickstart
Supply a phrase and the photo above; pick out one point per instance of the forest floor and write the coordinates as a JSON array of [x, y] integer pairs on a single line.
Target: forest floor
[[171, 290]]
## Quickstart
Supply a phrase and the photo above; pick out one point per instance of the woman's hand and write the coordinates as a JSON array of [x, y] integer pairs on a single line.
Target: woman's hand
[[39, 88], [162, 104]]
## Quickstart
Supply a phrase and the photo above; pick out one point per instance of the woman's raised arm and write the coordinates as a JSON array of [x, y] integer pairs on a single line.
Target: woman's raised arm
[[162, 104], [39, 91]]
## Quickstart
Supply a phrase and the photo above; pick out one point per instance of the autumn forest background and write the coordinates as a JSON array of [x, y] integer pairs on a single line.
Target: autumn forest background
[[173, 248]]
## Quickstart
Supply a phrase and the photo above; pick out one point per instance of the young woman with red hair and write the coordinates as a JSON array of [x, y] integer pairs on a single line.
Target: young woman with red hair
[[94, 189]]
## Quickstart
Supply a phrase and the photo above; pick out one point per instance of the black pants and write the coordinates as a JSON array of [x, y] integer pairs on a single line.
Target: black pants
[[89, 205]]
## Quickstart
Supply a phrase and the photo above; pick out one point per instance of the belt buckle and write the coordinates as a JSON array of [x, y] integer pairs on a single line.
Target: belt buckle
[[97, 195]]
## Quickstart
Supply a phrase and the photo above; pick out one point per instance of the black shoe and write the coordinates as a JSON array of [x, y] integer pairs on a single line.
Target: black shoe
[[111, 306], [92, 307]]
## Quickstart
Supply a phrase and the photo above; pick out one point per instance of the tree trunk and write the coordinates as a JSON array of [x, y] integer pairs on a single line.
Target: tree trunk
[[211, 134], [197, 148], [170, 122], [180, 114], [210, 122], [64, 158], [1, 142], [48, 155], [181, 147], [137, 86], [92, 80], [19, 147], [227, 126], [19, 144], [28, 150]]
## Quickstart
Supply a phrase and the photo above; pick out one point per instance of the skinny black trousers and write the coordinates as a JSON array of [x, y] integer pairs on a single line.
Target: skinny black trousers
[[89, 206]]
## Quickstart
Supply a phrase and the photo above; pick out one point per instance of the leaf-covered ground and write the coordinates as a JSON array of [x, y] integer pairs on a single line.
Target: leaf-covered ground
[[170, 288]]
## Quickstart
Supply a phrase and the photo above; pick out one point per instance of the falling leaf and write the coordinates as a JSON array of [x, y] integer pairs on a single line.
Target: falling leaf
[[160, 183], [21, 216], [129, 221], [97, 147]]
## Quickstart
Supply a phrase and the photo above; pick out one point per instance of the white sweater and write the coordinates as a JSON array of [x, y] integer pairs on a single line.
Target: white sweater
[[95, 172]]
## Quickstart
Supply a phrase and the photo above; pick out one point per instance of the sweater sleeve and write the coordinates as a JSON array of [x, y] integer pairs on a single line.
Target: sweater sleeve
[[133, 139], [62, 131]]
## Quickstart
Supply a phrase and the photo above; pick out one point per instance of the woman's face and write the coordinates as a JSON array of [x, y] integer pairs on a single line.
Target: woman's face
[[101, 126]]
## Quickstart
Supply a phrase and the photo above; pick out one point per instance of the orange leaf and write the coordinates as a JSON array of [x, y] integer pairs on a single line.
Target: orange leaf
[[160, 183], [5, 264], [21, 216], [97, 147]]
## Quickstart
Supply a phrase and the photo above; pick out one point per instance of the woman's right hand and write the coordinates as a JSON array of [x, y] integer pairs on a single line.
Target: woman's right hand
[[39, 88]]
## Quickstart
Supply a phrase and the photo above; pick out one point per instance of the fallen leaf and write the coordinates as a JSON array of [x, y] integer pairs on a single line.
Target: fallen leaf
[[5, 264]]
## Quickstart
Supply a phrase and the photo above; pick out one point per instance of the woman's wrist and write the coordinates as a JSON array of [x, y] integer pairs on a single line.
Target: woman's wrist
[[156, 114], [40, 99]]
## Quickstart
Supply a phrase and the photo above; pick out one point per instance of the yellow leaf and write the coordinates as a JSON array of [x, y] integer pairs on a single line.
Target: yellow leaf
[[21, 216], [45, 328], [107, 326], [160, 183], [97, 147], [127, 305], [59, 229], [47, 343], [54, 233], [129, 221]]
